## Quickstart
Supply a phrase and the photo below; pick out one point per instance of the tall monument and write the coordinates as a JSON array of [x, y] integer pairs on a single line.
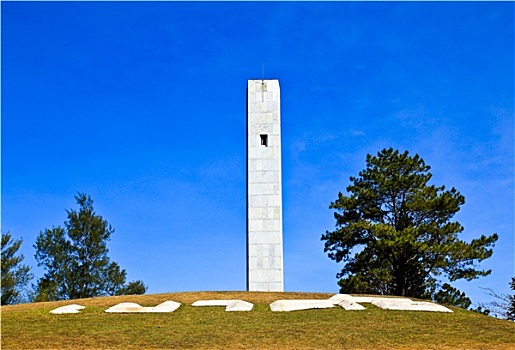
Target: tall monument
[[264, 187]]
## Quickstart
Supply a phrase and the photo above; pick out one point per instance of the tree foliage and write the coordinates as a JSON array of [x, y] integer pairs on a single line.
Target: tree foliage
[[133, 288], [15, 275], [510, 314], [452, 296], [76, 257], [503, 305], [394, 232]]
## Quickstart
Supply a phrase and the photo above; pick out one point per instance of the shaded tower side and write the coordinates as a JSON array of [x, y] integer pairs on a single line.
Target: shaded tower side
[[264, 187]]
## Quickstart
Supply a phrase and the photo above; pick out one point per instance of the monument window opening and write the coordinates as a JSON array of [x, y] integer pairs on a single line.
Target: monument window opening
[[264, 140]]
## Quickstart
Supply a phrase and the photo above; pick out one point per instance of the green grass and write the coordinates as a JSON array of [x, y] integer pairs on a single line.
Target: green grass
[[30, 326]]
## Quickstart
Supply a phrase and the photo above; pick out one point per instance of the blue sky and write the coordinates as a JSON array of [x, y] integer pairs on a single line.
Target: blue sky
[[142, 106]]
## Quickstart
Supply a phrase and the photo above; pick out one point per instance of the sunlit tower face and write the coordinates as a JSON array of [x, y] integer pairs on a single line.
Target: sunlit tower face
[[264, 187]]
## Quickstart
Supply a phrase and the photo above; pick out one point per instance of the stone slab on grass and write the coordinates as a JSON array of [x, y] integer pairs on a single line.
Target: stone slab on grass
[[68, 309], [230, 305], [306, 304], [350, 305], [124, 308], [373, 299], [337, 298], [239, 305], [341, 297], [348, 302], [167, 306], [412, 306]]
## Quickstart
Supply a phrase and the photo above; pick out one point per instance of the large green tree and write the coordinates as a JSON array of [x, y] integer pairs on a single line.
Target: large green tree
[[76, 257], [395, 234], [15, 275]]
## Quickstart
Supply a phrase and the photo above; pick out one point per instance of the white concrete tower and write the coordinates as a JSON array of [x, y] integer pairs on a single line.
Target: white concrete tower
[[264, 187]]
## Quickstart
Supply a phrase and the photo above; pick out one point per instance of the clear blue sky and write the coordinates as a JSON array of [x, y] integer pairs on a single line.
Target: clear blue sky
[[142, 106]]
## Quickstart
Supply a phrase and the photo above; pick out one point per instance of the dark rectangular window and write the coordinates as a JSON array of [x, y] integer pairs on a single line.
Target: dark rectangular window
[[264, 140]]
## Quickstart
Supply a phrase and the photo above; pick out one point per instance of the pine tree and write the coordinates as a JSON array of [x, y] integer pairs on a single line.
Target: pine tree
[[15, 276], [452, 296], [133, 288], [76, 257], [510, 314], [394, 232]]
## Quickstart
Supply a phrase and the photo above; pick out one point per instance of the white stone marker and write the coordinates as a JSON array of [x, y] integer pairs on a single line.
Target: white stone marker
[[239, 305], [230, 305], [303, 304], [337, 298], [264, 187], [125, 308], [68, 309], [167, 306], [348, 302], [410, 306], [350, 305]]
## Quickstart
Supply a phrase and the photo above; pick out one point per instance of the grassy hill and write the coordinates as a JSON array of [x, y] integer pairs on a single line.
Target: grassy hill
[[30, 326]]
